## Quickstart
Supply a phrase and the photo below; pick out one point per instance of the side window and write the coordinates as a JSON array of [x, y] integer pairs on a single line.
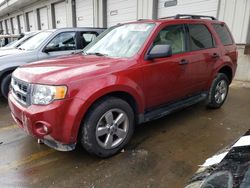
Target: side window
[[174, 36], [87, 37], [63, 41], [200, 37], [223, 34], [1, 42]]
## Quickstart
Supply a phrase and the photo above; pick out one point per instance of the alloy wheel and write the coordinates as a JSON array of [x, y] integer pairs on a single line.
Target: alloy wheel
[[112, 128], [221, 91]]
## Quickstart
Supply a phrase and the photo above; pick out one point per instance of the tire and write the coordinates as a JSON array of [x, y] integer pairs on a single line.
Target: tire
[[5, 86], [99, 118], [218, 91]]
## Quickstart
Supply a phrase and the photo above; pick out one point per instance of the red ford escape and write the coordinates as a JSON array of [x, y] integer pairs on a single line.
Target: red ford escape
[[132, 73]]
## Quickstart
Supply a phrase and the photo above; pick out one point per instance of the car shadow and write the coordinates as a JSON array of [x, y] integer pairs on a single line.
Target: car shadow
[[146, 131]]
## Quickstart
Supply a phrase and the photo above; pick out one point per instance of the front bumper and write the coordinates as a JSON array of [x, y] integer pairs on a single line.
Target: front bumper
[[57, 124]]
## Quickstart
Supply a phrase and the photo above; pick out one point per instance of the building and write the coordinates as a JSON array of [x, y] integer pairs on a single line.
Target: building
[[17, 16]]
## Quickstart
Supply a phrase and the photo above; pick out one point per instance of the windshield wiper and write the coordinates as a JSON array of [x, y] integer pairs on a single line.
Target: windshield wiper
[[80, 52], [20, 48], [95, 53]]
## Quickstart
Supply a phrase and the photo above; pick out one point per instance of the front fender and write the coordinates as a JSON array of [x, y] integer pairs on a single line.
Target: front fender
[[16, 59], [3, 71], [10, 66], [6, 68], [93, 89], [97, 88]]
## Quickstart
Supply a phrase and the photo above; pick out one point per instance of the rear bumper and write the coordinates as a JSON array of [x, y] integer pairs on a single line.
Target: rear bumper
[[56, 124]]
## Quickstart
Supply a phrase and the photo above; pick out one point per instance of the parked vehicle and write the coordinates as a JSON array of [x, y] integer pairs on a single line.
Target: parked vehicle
[[6, 39], [44, 45], [133, 73], [20, 40]]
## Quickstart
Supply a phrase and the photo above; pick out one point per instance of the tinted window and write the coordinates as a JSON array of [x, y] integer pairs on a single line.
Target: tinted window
[[223, 33], [200, 37], [173, 35], [89, 37], [86, 38], [63, 41]]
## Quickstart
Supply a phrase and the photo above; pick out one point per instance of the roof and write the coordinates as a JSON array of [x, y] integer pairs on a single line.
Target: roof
[[77, 28], [9, 36], [180, 18]]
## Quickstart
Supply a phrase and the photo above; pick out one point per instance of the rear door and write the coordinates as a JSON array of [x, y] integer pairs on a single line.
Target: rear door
[[62, 44], [202, 56], [227, 40]]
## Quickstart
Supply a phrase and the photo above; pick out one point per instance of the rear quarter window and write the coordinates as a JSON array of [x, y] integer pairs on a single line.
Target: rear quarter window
[[223, 34], [200, 37]]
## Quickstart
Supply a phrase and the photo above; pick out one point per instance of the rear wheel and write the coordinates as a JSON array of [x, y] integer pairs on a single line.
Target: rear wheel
[[218, 92], [108, 127], [5, 85]]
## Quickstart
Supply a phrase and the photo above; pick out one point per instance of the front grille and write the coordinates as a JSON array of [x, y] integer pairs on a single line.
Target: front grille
[[21, 91]]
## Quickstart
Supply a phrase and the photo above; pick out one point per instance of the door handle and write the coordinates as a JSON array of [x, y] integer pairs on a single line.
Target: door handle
[[215, 55], [183, 62]]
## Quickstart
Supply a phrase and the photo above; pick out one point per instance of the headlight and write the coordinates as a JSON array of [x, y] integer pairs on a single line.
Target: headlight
[[44, 94]]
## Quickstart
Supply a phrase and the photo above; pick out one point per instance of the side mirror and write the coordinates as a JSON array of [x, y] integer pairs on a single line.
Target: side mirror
[[49, 49], [159, 51]]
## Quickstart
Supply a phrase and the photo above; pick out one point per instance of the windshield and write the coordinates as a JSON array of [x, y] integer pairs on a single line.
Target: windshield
[[16, 42], [11, 44], [21, 41], [121, 41], [35, 41]]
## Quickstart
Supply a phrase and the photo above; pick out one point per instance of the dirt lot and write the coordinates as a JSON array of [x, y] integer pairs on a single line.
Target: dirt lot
[[162, 153]]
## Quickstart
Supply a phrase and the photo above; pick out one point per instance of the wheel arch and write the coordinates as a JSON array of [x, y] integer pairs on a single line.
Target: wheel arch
[[4, 73], [127, 94], [227, 70]]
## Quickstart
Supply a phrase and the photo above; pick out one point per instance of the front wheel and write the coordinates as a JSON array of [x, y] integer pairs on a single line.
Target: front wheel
[[218, 91], [108, 127], [5, 86]]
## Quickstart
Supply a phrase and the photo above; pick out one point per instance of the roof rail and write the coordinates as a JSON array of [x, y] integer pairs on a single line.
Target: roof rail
[[192, 16], [167, 17], [143, 19]]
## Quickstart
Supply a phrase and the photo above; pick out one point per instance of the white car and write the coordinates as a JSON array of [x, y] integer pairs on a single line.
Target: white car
[[17, 43]]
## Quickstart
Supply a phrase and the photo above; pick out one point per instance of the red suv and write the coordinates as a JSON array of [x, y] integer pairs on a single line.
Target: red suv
[[132, 73]]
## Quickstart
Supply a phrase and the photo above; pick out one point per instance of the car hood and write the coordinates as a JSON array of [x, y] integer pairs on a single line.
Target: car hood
[[11, 51], [67, 69], [6, 48]]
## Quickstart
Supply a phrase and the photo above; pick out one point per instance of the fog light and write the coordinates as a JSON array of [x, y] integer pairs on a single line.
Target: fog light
[[46, 130], [42, 129]]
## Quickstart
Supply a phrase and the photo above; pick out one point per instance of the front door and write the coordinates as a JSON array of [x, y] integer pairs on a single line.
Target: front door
[[167, 79], [62, 44]]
